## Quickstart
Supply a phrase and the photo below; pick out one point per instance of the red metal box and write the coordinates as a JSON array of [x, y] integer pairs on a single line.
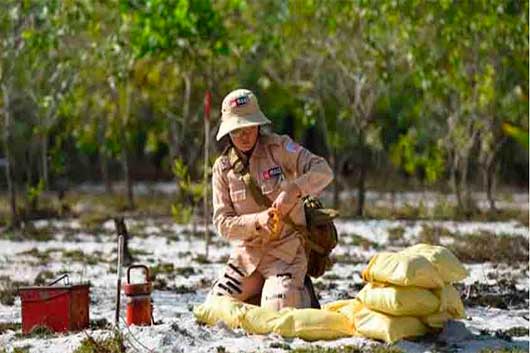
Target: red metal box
[[60, 308]]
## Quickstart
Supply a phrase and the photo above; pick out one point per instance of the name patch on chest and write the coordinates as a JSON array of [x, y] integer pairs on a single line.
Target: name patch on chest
[[271, 173]]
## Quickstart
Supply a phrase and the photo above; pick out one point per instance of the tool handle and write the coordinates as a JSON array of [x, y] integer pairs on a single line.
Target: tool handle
[[145, 268], [65, 276], [118, 284]]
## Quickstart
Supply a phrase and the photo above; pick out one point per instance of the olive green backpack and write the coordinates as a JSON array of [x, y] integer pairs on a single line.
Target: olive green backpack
[[321, 235]]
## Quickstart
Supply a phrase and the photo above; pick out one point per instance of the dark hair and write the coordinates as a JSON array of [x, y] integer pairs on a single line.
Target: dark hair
[[224, 144]]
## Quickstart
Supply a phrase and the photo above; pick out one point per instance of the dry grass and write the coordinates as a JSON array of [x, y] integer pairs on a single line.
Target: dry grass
[[396, 236], [440, 211], [10, 326], [486, 246], [112, 344], [9, 290], [432, 234], [349, 349], [503, 350]]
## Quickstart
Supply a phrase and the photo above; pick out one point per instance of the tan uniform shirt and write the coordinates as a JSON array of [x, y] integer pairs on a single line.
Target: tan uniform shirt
[[275, 161]]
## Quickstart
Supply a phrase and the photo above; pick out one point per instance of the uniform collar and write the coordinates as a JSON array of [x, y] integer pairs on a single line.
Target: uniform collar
[[259, 149]]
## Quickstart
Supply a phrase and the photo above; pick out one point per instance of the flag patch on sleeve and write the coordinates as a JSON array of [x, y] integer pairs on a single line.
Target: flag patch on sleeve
[[293, 147]]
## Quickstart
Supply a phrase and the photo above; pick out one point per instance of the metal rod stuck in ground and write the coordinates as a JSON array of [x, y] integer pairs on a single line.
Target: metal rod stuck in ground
[[118, 280]]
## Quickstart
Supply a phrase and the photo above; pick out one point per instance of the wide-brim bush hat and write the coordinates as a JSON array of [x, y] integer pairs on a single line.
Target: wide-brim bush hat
[[240, 109]]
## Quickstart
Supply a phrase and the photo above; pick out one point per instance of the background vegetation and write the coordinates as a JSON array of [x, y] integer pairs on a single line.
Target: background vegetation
[[395, 94]]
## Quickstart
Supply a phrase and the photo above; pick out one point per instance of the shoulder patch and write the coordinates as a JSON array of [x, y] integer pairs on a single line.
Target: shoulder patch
[[293, 147], [224, 163]]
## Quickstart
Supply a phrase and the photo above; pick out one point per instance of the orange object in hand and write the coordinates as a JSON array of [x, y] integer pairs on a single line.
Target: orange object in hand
[[275, 223]]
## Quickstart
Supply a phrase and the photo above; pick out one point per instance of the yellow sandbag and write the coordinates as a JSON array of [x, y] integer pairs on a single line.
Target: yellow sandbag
[[436, 320], [308, 324], [451, 307], [402, 270], [450, 301], [399, 301], [337, 305], [346, 307], [388, 328], [450, 268], [262, 321], [221, 308]]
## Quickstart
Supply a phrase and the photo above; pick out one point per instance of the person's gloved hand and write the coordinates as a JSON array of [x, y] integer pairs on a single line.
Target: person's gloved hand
[[287, 199], [268, 223]]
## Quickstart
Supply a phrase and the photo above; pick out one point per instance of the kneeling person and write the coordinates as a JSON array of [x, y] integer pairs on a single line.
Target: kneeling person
[[258, 183]]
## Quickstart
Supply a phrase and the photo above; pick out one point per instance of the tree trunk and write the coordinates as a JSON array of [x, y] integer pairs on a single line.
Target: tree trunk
[[127, 176], [455, 184], [465, 187], [44, 161], [105, 173], [121, 229], [490, 172], [361, 185], [187, 96], [124, 152], [103, 160], [124, 158], [14, 222], [490, 187], [173, 139], [336, 184], [361, 191], [191, 153], [456, 189]]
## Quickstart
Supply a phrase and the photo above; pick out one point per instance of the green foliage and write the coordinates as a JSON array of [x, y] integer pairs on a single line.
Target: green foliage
[[161, 26], [189, 194], [427, 161], [34, 192], [518, 134], [429, 90]]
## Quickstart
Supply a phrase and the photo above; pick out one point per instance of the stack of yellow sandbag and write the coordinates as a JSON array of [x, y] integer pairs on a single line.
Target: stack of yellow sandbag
[[407, 292]]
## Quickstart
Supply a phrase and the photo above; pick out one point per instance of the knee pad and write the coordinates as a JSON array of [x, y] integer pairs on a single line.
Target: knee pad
[[282, 292], [234, 283], [230, 283]]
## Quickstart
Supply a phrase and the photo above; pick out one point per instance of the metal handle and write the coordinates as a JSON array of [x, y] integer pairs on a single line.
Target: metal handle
[[66, 282], [146, 270]]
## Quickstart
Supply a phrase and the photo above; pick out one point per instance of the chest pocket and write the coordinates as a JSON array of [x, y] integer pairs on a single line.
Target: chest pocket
[[238, 195], [272, 184], [238, 190]]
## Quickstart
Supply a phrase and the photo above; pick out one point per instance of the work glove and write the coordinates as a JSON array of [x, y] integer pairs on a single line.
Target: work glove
[[287, 199], [269, 224]]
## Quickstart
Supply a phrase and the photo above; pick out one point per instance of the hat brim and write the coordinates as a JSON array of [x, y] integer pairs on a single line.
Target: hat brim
[[231, 123]]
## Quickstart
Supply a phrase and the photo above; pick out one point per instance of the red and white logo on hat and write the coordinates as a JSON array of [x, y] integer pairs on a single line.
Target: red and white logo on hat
[[239, 101]]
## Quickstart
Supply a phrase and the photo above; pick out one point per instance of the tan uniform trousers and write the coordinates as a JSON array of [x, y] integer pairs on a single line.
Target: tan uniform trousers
[[279, 284]]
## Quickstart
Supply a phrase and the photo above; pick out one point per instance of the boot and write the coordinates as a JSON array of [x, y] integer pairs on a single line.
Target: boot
[[308, 284]]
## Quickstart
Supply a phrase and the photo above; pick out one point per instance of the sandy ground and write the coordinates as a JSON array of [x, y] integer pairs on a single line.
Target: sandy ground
[[162, 242]]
